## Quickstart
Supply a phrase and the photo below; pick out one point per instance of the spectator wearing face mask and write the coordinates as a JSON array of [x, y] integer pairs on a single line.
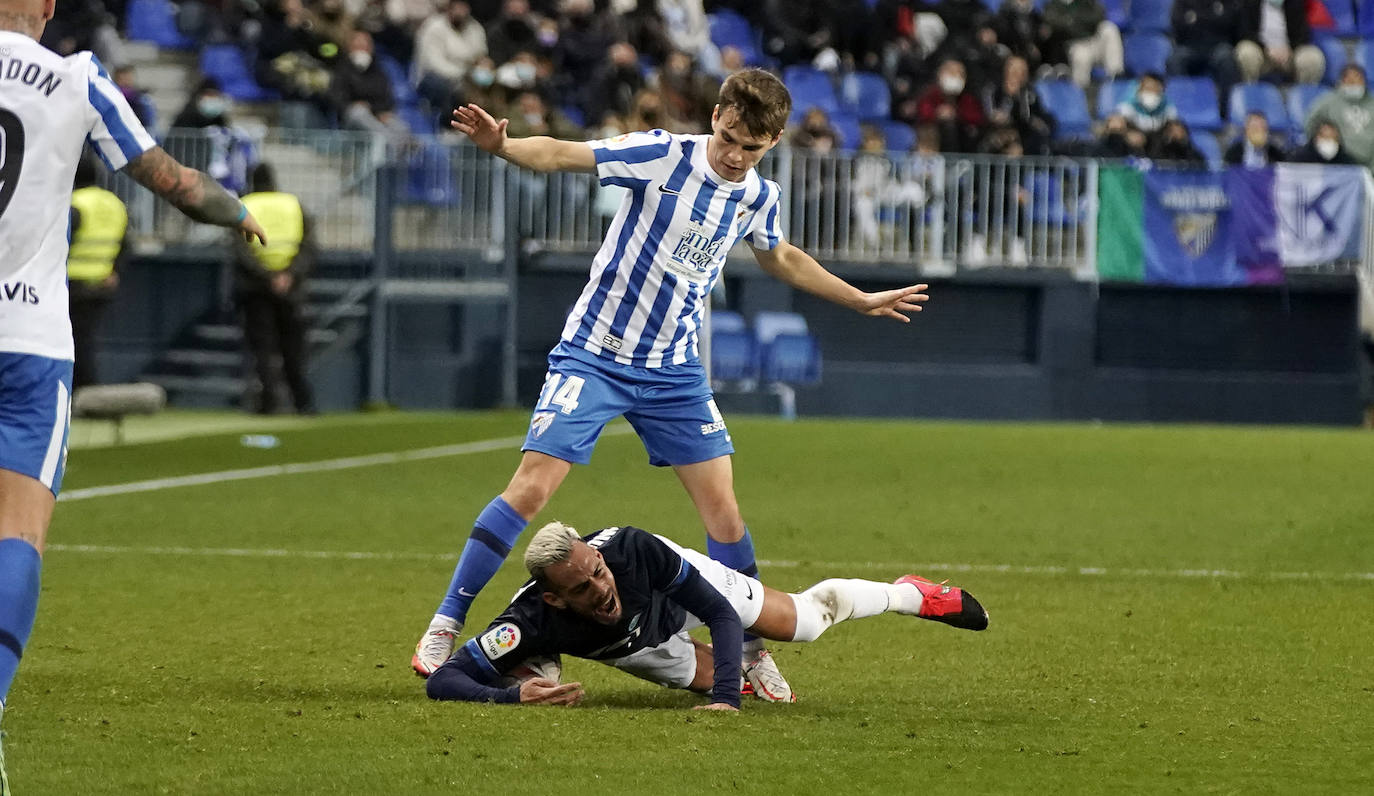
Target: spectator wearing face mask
[[515, 30], [208, 107], [446, 47], [814, 134], [615, 83], [1351, 109], [1323, 147], [949, 105], [1147, 109], [1119, 140], [363, 93], [1255, 149]]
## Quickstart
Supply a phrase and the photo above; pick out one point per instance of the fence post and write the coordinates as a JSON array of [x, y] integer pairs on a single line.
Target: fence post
[[506, 234], [383, 251]]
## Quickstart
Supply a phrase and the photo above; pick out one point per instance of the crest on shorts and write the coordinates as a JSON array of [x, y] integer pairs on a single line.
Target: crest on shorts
[[540, 423]]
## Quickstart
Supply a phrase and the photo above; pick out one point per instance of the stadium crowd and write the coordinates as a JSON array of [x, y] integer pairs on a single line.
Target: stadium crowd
[[1003, 77]]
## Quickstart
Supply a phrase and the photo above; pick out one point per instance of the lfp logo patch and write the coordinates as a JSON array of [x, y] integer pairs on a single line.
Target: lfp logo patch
[[499, 640]]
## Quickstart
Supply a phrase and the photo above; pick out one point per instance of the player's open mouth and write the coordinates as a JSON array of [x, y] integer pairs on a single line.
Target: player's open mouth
[[608, 608]]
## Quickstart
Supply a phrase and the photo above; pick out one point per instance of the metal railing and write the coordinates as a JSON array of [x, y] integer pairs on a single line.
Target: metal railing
[[893, 209]]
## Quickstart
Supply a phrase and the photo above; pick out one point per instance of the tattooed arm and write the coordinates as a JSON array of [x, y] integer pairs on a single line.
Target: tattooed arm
[[192, 192]]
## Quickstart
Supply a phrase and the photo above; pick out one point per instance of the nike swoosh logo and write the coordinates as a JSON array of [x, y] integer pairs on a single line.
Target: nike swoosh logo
[[750, 596], [662, 189], [465, 593]]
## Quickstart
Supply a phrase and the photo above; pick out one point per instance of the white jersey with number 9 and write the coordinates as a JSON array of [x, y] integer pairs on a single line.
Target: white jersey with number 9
[[49, 107]]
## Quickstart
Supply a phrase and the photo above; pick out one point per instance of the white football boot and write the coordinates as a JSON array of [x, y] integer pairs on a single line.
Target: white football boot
[[436, 645], [761, 671]]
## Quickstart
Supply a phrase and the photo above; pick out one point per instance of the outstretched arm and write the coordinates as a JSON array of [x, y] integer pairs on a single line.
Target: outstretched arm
[[539, 152], [192, 192], [800, 270], [702, 600]]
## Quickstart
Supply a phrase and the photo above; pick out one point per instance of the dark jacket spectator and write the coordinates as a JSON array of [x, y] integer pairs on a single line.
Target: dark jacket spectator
[[1174, 143], [1021, 27], [615, 83], [1276, 38], [1323, 147], [1205, 35], [207, 107], [583, 40], [515, 30], [361, 81], [1011, 102], [1254, 149]]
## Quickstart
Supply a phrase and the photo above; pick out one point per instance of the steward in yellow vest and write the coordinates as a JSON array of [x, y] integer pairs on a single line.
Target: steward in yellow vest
[[98, 227], [269, 291]]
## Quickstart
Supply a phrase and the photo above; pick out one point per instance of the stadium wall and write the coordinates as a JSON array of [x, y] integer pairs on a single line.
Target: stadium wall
[[994, 344]]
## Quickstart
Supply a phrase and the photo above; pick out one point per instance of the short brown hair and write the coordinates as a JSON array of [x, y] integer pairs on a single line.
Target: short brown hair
[[759, 99]]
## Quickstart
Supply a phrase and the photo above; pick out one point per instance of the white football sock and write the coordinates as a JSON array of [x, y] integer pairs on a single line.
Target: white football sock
[[833, 601]]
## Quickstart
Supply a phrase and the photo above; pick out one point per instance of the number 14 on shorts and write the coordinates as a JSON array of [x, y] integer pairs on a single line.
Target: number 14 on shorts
[[560, 392]]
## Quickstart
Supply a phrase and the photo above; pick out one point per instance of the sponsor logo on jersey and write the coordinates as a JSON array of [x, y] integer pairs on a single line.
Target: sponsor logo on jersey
[[695, 253], [18, 292], [541, 422], [612, 342], [499, 640]]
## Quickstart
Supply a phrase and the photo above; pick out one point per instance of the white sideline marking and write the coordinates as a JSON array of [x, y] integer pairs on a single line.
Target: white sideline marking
[[325, 465], [1012, 569]]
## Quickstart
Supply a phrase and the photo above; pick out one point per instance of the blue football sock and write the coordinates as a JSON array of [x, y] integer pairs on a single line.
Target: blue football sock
[[19, 566], [494, 534], [738, 556]]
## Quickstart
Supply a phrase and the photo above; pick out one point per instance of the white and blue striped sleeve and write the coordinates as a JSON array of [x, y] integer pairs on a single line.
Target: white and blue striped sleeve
[[765, 229], [116, 134], [632, 158]]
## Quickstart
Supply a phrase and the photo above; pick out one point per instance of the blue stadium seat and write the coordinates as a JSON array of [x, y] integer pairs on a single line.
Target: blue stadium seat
[[729, 28], [1066, 102], [734, 355], [1367, 23], [1196, 100], [155, 21], [227, 66], [792, 359], [1343, 15], [429, 177], [900, 136], [1263, 97], [727, 321], [848, 129], [866, 95], [1334, 50], [1048, 191], [401, 90], [1364, 53], [1301, 98], [769, 324], [1147, 52], [1150, 16], [1111, 94], [1210, 148], [1118, 12], [810, 88]]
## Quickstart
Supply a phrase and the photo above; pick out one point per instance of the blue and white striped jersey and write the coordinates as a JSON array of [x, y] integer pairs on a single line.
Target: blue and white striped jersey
[[49, 107], [665, 247]]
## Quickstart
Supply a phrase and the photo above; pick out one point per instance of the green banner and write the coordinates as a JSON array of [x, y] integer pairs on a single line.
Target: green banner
[[1120, 227]]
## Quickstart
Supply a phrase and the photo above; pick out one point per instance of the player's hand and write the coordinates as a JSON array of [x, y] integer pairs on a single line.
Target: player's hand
[[488, 134], [542, 691], [894, 303], [250, 229], [720, 706]]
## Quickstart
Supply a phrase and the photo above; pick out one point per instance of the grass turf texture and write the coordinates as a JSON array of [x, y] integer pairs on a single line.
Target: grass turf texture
[[203, 673]]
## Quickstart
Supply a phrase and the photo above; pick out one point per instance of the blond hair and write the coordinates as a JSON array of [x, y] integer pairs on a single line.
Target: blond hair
[[551, 545]]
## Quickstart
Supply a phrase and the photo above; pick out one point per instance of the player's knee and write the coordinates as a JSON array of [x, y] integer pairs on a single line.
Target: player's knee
[[811, 620]]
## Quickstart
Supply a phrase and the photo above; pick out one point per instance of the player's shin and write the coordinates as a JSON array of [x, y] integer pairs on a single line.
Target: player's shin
[[493, 535], [19, 579], [838, 599]]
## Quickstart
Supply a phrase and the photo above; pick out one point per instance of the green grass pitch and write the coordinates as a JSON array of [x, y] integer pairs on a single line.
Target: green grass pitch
[[175, 654]]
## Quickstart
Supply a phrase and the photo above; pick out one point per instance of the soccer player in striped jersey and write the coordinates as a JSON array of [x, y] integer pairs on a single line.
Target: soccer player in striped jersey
[[629, 346], [50, 108]]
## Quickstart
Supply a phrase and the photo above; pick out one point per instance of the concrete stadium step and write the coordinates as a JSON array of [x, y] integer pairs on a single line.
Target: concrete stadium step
[[202, 357], [230, 333], [205, 385]]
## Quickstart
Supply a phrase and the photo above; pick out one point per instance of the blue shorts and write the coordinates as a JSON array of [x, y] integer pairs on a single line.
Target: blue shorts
[[35, 416], [671, 408]]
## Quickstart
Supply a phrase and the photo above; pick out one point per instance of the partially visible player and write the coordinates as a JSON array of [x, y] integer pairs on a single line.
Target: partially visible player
[[627, 597], [629, 346], [50, 107]]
